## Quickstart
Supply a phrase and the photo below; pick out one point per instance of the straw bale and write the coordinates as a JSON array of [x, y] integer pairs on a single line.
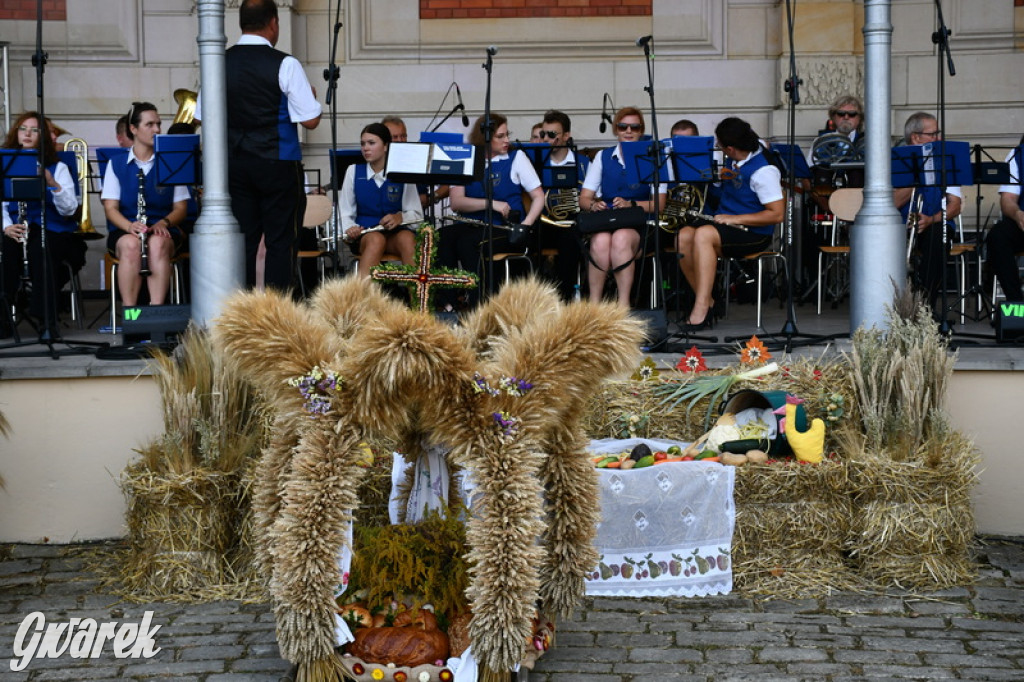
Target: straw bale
[[788, 574], [931, 571], [913, 528], [790, 481], [180, 529], [792, 526]]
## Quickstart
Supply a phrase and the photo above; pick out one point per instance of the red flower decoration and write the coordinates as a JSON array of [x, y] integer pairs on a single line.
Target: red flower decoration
[[693, 361], [754, 353]]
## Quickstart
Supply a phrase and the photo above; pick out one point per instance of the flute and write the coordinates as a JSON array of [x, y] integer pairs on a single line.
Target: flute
[[25, 274], [140, 216]]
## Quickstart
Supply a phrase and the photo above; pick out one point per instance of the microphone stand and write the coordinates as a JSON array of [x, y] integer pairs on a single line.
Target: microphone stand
[[49, 331], [332, 74], [792, 87], [941, 39], [487, 128]]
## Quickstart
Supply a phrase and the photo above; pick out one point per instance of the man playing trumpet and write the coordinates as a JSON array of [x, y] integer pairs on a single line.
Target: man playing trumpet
[[143, 218]]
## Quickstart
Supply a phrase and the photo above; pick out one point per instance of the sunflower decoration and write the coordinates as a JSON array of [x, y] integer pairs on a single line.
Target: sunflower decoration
[[755, 353], [646, 371], [693, 361]]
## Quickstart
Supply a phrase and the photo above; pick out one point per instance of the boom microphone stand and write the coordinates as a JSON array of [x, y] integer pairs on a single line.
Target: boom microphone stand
[[487, 128], [941, 38], [331, 74]]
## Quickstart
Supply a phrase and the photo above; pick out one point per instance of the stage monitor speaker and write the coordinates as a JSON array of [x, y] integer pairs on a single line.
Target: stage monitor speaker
[[1009, 321], [656, 325], [160, 324]]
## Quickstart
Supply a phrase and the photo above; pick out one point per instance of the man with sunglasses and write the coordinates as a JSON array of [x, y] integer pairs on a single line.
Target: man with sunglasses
[[922, 128], [556, 130]]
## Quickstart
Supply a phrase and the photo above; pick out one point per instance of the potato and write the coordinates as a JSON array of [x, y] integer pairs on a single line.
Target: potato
[[757, 456], [733, 459]]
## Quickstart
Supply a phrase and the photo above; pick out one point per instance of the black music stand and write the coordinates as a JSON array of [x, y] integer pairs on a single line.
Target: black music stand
[[434, 137], [941, 164]]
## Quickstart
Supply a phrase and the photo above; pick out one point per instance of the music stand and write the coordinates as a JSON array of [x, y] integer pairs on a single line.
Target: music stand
[[692, 158], [942, 164], [435, 137], [178, 160], [105, 155]]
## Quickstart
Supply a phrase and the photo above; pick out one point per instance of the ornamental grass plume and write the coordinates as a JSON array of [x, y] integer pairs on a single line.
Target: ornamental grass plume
[[213, 417], [900, 380]]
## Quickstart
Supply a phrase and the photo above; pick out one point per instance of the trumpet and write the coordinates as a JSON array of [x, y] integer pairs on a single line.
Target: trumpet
[[913, 218], [140, 216], [26, 275], [80, 149], [684, 203]]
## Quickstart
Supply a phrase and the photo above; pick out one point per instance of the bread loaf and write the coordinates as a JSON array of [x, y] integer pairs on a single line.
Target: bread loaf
[[409, 645]]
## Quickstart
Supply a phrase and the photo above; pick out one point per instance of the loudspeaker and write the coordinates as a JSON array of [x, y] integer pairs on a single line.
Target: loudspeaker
[[656, 325], [1009, 321], [156, 323]]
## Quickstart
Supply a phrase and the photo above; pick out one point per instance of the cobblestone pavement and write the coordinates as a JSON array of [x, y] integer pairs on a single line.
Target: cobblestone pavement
[[973, 633]]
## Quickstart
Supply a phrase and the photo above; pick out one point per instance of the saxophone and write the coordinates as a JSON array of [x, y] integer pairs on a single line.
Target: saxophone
[[140, 216]]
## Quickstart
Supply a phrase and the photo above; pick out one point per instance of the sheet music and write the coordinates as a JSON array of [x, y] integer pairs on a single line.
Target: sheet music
[[410, 157]]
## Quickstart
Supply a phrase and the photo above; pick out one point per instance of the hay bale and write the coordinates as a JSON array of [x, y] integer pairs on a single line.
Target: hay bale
[[791, 574], [180, 529]]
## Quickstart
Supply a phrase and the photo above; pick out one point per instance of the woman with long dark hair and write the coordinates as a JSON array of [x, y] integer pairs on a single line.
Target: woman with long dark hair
[[63, 247]]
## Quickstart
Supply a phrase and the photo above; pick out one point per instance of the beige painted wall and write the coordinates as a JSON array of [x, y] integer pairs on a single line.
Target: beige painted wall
[[71, 438]]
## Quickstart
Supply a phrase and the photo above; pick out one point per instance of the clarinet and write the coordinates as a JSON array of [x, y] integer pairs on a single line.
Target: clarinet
[[140, 216], [25, 274]]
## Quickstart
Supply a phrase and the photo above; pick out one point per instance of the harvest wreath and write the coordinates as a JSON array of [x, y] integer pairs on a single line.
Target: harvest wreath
[[386, 372]]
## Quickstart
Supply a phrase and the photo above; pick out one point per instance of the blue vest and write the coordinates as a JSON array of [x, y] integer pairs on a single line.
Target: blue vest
[[258, 120], [614, 183], [503, 190], [55, 222], [372, 202], [159, 200], [738, 198]]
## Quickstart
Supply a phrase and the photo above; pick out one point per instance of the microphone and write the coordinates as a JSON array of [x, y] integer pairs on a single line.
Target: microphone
[[465, 119], [492, 50], [643, 40], [605, 117]]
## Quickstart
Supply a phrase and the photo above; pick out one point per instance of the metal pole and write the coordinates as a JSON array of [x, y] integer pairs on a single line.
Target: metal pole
[[217, 246], [877, 240]]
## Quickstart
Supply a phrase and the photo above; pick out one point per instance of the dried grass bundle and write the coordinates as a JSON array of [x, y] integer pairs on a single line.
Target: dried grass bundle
[[793, 574]]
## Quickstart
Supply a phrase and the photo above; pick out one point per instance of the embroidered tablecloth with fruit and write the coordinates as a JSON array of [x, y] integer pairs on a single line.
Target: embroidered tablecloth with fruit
[[665, 529]]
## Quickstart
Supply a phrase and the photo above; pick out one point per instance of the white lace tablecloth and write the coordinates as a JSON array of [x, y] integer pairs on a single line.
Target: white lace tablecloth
[[665, 529]]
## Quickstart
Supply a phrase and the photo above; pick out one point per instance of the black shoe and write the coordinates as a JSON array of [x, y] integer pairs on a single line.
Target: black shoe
[[706, 323]]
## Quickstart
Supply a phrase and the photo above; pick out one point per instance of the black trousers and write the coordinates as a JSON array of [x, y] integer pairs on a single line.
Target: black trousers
[[62, 248], [269, 201], [1003, 242]]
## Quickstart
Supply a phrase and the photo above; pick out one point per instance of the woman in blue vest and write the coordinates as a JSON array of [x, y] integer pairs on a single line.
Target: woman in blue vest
[[750, 205], [606, 187], [378, 216], [511, 176], [63, 246], [128, 186]]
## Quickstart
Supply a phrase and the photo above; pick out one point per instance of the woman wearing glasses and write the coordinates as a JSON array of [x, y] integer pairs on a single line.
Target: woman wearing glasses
[[750, 205], [63, 246], [511, 176], [606, 188]]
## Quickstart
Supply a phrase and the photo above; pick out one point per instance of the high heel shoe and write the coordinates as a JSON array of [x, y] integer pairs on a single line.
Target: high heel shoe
[[707, 323]]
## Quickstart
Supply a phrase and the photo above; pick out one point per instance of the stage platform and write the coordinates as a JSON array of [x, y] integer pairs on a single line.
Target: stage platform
[[76, 420]]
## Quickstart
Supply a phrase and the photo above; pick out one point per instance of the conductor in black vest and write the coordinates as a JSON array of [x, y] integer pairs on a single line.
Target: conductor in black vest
[[268, 97]]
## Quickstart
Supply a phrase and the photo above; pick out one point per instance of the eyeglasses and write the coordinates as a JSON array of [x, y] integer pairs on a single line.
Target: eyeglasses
[[26, 129], [635, 127], [931, 133], [847, 114], [550, 134]]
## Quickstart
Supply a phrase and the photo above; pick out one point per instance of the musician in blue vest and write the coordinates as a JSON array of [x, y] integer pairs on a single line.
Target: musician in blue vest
[[378, 216], [929, 249], [751, 203], [556, 130], [130, 192], [511, 176], [604, 188], [63, 246], [1006, 238], [268, 96]]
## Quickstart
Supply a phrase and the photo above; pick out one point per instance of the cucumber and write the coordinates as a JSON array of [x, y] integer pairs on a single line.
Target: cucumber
[[741, 447]]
